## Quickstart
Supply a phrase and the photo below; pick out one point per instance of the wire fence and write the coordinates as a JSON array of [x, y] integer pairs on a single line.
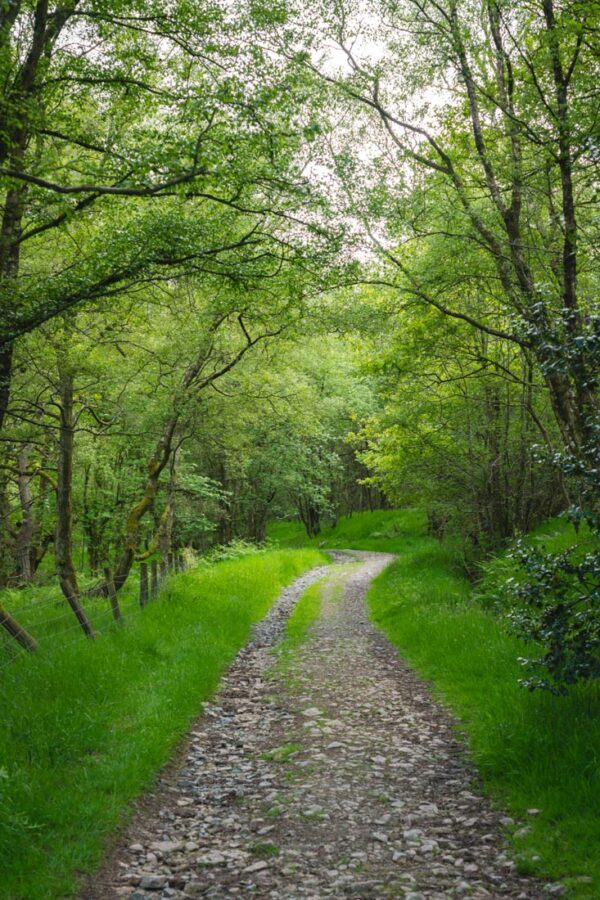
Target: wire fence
[[51, 622]]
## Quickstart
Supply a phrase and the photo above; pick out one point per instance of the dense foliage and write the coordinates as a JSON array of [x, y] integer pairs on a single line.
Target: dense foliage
[[265, 261]]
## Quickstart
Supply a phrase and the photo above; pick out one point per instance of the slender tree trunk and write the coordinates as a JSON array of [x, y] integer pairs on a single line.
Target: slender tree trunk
[[7, 535], [157, 463], [6, 355], [64, 524], [143, 584], [40, 549], [20, 96], [224, 532], [153, 578], [27, 529], [165, 543], [112, 594], [17, 631], [310, 516]]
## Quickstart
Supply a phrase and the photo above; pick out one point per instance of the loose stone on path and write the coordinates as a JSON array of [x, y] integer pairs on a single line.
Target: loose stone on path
[[334, 776]]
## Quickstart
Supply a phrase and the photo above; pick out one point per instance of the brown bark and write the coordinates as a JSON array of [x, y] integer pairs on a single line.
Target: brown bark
[[6, 355], [153, 579], [16, 631], [15, 134], [165, 541], [67, 575], [143, 584], [7, 536], [157, 463], [112, 594], [27, 529], [310, 516]]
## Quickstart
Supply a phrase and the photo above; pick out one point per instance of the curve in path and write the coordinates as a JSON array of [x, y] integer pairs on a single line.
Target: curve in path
[[335, 775]]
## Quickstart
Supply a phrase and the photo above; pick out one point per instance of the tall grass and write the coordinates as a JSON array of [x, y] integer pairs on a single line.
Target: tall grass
[[534, 751], [86, 725]]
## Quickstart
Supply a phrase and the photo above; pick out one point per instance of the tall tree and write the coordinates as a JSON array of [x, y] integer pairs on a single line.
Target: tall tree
[[484, 160], [121, 132]]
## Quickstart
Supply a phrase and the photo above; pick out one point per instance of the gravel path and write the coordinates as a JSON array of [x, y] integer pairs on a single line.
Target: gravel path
[[328, 773]]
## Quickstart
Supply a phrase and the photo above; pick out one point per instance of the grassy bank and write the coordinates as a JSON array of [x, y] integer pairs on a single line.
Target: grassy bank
[[85, 725], [534, 751]]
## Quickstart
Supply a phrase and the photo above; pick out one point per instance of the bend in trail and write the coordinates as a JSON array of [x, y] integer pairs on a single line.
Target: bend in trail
[[332, 775]]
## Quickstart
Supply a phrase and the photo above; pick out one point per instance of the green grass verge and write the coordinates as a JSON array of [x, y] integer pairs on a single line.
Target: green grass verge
[[533, 750], [85, 726], [305, 613]]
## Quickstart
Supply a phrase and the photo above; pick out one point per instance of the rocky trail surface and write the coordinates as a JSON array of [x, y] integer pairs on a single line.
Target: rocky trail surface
[[326, 772]]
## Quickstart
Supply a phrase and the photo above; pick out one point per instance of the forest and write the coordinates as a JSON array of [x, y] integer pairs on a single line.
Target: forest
[[278, 279]]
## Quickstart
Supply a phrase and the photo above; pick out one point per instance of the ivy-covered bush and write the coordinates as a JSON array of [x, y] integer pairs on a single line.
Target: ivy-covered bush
[[555, 600]]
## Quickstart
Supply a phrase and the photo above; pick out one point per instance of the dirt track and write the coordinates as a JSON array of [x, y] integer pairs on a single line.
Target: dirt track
[[335, 775]]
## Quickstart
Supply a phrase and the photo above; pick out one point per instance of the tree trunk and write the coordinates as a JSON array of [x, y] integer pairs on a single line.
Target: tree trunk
[[20, 100], [310, 517], [165, 542], [143, 584], [153, 578], [6, 354], [40, 549], [112, 594], [27, 529], [16, 631], [64, 524], [7, 536], [159, 460]]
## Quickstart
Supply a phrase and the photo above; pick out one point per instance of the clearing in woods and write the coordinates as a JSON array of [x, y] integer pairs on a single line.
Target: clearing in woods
[[322, 768]]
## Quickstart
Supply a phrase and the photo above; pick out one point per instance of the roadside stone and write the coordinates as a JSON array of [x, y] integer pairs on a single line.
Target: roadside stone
[[412, 834], [152, 882], [167, 846], [256, 867], [212, 858]]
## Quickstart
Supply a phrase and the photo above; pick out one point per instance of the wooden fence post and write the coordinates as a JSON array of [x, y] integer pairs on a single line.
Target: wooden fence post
[[112, 594], [153, 579], [143, 584], [16, 631]]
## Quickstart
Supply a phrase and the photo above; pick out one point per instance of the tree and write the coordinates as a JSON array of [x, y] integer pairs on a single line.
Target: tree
[[126, 149], [461, 414], [485, 155]]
